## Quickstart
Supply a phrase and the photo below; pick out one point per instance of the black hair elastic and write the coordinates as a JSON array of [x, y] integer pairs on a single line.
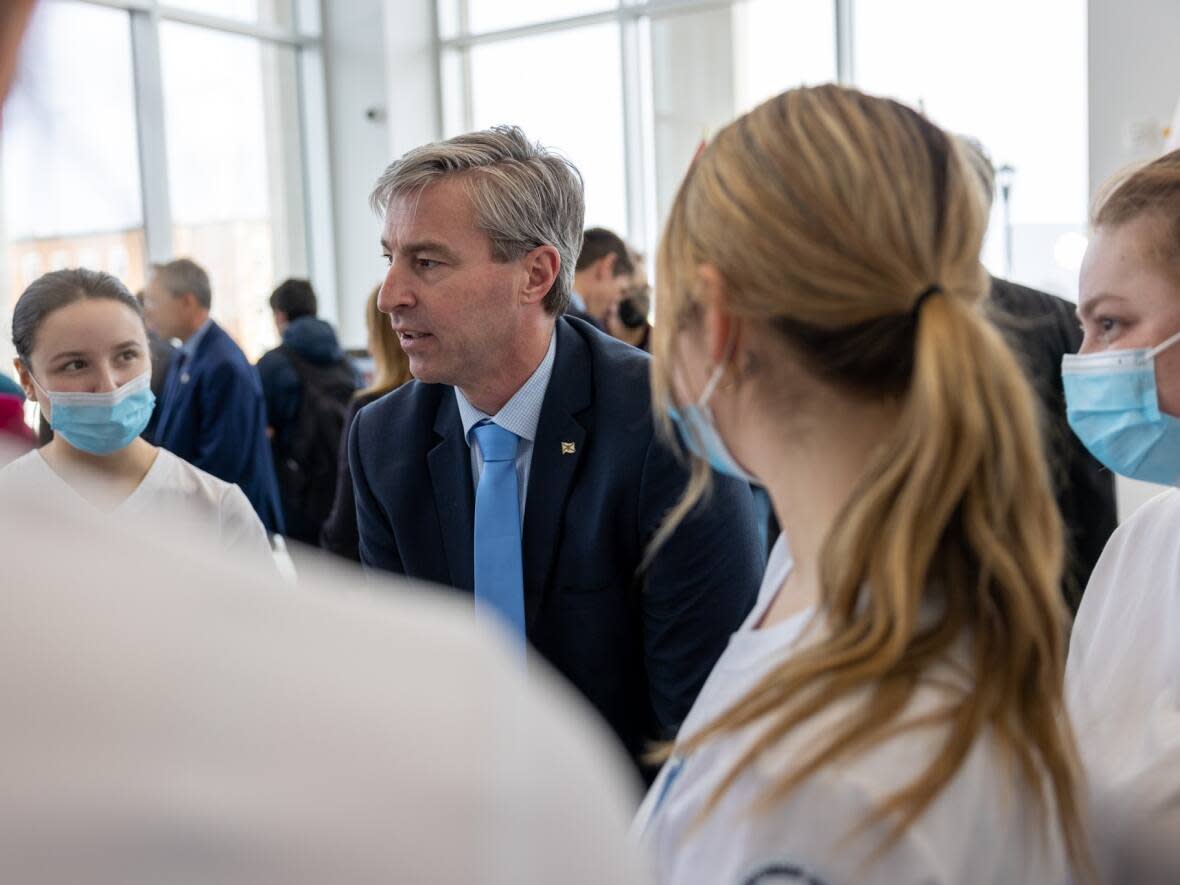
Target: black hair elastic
[[933, 289]]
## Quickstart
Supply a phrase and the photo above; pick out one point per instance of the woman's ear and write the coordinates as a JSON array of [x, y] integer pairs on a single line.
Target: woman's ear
[[25, 379], [721, 329]]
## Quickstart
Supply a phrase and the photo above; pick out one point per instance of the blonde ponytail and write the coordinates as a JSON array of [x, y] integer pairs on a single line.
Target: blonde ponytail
[[852, 227]]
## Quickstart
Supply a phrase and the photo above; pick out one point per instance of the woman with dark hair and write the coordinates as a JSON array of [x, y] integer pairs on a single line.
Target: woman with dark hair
[[391, 371], [82, 355]]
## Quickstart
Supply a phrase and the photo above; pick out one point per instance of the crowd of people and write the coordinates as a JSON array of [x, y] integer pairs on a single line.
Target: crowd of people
[[809, 546]]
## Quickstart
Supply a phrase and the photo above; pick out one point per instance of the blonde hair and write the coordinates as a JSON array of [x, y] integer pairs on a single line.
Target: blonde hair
[[391, 365], [1153, 190], [828, 214]]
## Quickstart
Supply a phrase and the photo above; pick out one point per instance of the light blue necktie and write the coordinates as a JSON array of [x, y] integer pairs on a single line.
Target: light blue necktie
[[499, 575]]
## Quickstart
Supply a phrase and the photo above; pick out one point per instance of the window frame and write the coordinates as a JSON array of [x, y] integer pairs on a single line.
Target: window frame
[[305, 37], [633, 18]]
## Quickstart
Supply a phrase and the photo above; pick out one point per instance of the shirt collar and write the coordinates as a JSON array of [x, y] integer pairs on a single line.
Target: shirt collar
[[523, 411], [189, 348]]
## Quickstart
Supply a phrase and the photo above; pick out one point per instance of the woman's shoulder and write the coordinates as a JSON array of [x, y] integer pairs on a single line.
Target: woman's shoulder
[[176, 475], [985, 788], [30, 464]]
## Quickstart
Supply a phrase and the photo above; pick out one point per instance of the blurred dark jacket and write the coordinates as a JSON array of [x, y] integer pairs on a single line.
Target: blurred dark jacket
[[1042, 328]]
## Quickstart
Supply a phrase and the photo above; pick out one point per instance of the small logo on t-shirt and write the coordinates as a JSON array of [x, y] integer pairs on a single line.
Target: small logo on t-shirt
[[782, 874]]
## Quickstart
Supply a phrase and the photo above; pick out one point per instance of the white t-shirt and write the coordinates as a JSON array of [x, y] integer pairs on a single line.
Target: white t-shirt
[[977, 830], [172, 490], [174, 713], [1123, 676]]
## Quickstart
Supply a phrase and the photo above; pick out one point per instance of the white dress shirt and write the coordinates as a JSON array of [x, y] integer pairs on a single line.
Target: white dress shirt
[[519, 415]]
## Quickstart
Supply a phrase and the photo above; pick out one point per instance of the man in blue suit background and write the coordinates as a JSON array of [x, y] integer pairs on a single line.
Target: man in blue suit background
[[522, 464], [212, 414]]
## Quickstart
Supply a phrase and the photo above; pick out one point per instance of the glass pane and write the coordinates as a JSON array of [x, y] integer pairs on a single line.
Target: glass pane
[[278, 13], [693, 83], [779, 45], [586, 125], [928, 54], [68, 151], [234, 170], [494, 15]]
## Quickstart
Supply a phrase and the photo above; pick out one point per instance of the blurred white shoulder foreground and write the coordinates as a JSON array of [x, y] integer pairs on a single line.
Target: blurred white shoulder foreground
[[173, 715]]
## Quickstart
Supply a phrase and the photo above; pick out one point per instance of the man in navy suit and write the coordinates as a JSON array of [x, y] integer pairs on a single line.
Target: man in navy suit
[[522, 464], [212, 414]]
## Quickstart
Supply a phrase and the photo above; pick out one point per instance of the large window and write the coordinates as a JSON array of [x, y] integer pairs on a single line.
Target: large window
[[1029, 112], [628, 89], [69, 153], [138, 132], [234, 168]]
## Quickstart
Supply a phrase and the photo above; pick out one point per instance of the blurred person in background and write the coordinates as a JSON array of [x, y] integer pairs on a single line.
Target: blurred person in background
[[391, 371], [1042, 328], [82, 355], [892, 709], [308, 383], [627, 318], [603, 271], [214, 413], [162, 353], [13, 430]]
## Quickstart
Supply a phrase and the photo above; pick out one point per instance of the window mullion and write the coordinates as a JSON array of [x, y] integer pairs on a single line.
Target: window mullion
[[153, 148]]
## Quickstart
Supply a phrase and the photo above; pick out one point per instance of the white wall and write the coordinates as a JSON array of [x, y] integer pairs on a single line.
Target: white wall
[[355, 62], [1134, 87]]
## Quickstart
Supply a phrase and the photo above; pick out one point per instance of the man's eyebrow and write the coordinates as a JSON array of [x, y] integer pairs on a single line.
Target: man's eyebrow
[[1091, 305], [427, 246]]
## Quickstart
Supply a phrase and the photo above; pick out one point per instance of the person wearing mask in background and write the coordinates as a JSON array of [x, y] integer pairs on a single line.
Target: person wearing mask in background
[[391, 371], [307, 382], [214, 413], [627, 318], [1042, 328], [162, 353], [521, 464], [892, 709], [1122, 391], [602, 272], [82, 354]]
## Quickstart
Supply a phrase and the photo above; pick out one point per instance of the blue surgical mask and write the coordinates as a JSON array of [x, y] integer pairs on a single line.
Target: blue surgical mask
[[1113, 406], [699, 432], [102, 423]]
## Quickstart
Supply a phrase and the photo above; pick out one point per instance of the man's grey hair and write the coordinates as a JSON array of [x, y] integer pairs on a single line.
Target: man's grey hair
[[185, 275], [524, 195]]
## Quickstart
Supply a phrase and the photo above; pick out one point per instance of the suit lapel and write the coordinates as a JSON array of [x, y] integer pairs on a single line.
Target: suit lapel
[[557, 452], [454, 499]]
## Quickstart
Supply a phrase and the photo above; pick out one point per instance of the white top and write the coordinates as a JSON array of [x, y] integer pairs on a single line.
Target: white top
[[177, 714], [973, 832], [1123, 676], [520, 415], [172, 489]]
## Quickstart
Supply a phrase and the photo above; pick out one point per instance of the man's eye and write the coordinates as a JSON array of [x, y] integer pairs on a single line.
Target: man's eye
[[388, 259], [427, 263]]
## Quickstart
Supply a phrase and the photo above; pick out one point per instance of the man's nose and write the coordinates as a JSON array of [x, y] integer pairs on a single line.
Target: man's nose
[[396, 289]]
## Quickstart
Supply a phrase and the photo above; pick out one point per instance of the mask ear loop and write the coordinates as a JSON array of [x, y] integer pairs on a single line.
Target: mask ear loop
[[718, 371], [1160, 348]]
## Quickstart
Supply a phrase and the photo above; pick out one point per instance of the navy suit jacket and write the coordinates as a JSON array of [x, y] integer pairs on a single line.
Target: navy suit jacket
[[213, 415], [637, 646]]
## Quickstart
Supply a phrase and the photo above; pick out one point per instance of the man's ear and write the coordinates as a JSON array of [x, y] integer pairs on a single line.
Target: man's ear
[[541, 267], [722, 330]]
